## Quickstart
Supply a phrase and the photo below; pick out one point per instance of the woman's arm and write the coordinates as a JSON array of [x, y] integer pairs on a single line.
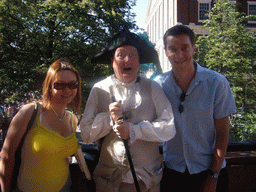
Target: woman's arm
[[14, 135]]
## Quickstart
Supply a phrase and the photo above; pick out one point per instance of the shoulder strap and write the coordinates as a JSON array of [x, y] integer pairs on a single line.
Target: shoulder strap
[[18, 151], [32, 119], [73, 121], [30, 123]]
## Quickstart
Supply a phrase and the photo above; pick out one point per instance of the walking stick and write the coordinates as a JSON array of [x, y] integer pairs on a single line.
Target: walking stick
[[119, 122]]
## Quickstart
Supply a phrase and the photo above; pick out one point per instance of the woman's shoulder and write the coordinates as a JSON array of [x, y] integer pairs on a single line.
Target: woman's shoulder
[[26, 111], [73, 117], [20, 121], [29, 106]]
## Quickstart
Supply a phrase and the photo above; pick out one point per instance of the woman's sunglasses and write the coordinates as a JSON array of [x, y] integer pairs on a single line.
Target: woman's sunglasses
[[62, 86]]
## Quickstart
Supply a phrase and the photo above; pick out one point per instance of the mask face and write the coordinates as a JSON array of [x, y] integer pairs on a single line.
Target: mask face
[[126, 63]]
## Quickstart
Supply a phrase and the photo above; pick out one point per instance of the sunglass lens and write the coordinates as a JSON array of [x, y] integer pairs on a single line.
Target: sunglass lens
[[62, 86], [181, 108], [59, 86], [182, 97], [73, 85]]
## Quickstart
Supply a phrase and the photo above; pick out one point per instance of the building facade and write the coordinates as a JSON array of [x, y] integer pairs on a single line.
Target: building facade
[[163, 14]]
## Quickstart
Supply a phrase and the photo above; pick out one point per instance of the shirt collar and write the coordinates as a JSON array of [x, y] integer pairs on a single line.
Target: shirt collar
[[201, 75], [122, 84]]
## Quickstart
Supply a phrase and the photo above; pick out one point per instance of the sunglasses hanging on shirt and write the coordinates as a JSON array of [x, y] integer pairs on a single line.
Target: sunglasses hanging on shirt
[[182, 98], [62, 86]]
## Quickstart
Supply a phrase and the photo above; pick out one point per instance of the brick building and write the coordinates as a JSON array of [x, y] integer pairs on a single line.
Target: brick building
[[163, 14]]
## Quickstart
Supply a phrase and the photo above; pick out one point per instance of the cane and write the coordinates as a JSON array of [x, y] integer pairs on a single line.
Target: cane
[[119, 122]]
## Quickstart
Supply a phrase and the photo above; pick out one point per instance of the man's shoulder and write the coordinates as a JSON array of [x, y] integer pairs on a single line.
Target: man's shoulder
[[104, 82], [211, 75], [164, 75], [149, 82], [162, 78]]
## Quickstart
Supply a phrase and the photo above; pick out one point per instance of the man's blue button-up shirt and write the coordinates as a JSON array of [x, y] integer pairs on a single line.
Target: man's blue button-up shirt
[[208, 97]]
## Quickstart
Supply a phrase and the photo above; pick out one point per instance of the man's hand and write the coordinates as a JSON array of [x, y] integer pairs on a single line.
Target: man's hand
[[122, 130], [209, 185], [116, 110]]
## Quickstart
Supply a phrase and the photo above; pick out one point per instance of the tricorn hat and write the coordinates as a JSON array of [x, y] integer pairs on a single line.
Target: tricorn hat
[[147, 53]]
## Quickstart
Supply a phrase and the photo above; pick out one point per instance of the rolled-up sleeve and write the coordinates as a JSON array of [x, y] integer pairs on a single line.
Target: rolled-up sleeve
[[162, 128]]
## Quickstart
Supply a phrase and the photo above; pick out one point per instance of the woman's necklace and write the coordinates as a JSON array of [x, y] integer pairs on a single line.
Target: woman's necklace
[[59, 118]]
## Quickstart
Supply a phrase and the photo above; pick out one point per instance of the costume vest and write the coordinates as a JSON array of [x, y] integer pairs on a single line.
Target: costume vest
[[147, 161]]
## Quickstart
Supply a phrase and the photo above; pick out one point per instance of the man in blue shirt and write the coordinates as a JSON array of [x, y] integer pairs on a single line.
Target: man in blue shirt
[[202, 102]]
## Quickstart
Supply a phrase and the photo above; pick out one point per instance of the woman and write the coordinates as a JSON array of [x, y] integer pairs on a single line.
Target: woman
[[51, 140], [146, 113]]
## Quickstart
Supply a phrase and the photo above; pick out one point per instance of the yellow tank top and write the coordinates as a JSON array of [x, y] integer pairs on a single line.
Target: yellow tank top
[[44, 166]]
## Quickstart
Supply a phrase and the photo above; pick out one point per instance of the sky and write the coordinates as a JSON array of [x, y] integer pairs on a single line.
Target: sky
[[141, 9]]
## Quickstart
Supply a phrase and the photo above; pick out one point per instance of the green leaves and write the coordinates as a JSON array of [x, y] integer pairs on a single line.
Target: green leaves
[[34, 33]]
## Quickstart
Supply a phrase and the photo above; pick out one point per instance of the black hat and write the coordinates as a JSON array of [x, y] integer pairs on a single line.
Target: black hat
[[147, 54]]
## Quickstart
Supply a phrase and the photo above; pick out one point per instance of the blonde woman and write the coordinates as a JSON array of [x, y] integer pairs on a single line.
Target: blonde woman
[[51, 140]]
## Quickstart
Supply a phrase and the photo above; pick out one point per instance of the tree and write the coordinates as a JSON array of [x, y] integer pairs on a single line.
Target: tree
[[230, 49], [34, 33]]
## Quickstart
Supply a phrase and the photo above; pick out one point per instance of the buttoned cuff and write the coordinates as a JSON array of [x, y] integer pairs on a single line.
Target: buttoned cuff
[[134, 132]]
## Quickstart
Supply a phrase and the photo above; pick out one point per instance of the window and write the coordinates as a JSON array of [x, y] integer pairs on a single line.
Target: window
[[252, 10], [203, 9], [232, 2]]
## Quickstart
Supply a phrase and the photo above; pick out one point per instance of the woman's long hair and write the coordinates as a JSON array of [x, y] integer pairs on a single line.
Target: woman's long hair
[[59, 65]]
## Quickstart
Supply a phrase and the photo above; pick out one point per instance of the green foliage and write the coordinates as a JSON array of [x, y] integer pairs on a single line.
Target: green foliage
[[243, 126], [230, 49], [34, 33]]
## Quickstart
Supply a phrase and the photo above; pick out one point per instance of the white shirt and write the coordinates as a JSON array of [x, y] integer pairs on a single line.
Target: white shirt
[[96, 122]]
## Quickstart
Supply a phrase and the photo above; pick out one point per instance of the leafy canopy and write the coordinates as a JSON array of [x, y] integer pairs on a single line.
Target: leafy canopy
[[34, 33]]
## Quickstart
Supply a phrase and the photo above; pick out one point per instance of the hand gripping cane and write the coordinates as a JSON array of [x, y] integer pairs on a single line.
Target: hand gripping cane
[[119, 122]]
